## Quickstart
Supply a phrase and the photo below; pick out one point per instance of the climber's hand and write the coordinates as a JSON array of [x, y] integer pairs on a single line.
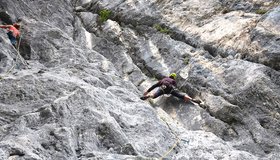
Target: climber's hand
[[145, 93], [196, 101]]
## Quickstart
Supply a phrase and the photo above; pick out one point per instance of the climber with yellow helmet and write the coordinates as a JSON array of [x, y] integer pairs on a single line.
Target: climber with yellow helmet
[[167, 86]]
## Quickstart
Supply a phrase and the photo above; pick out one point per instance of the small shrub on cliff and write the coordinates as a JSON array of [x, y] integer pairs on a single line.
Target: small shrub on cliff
[[104, 15], [261, 11], [161, 29], [186, 60]]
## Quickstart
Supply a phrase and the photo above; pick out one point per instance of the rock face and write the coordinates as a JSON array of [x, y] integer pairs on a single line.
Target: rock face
[[265, 39], [78, 97]]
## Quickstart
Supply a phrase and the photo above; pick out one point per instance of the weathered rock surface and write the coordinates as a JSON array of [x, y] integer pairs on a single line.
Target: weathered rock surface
[[79, 96]]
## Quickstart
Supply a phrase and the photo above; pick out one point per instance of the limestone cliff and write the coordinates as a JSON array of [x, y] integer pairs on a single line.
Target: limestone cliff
[[74, 91]]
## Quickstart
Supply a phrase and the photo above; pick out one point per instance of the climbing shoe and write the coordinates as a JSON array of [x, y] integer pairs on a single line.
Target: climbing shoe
[[144, 97], [196, 101]]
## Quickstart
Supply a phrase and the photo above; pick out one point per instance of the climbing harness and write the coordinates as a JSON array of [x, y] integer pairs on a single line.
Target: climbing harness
[[164, 87]]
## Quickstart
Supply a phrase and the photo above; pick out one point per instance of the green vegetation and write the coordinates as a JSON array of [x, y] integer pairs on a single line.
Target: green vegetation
[[261, 11], [104, 15], [161, 29], [163, 118], [186, 60]]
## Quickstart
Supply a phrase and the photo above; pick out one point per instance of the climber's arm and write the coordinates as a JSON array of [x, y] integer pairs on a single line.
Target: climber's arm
[[5, 26]]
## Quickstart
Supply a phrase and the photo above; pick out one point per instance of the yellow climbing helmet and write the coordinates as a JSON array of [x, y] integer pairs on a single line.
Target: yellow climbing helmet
[[173, 75]]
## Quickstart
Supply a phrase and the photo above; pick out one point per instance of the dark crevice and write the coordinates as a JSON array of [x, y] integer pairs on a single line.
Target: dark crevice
[[25, 49], [211, 49], [17, 152], [6, 18], [109, 140], [79, 149], [265, 146], [183, 37]]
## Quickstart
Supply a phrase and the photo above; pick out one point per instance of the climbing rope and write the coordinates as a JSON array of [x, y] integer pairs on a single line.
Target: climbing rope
[[185, 81], [18, 53], [18, 56], [178, 140]]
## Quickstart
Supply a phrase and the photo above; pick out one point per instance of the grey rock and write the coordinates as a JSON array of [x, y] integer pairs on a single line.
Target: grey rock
[[7, 54], [265, 39], [79, 97]]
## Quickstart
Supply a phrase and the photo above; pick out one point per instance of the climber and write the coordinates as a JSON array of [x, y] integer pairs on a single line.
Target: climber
[[167, 86], [13, 32]]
